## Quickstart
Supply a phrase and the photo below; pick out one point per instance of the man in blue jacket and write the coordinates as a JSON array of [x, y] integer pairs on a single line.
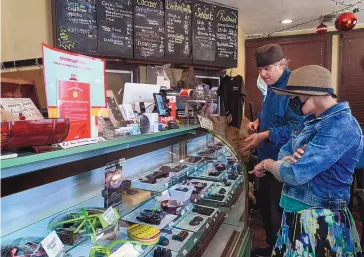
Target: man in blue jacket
[[271, 130]]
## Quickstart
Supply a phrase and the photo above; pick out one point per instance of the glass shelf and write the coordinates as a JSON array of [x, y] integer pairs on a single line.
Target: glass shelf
[[41, 226], [85, 190], [32, 162]]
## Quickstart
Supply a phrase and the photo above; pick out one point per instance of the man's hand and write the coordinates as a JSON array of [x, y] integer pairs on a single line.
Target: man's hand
[[253, 126], [254, 140], [258, 170], [298, 154]]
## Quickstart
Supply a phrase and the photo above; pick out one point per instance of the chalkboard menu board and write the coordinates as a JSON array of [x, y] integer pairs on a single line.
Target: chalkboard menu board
[[115, 27], [178, 30], [76, 29], [149, 29], [204, 32], [226, 37]]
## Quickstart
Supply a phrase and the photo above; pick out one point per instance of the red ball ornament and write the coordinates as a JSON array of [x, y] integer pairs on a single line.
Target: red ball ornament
[[321, 29], [346, 21]]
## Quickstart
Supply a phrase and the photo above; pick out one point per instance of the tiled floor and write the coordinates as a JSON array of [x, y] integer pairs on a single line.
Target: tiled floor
[[258, 231]]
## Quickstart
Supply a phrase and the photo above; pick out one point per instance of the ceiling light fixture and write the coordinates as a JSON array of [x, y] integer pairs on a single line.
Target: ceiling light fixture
[[286, 21]]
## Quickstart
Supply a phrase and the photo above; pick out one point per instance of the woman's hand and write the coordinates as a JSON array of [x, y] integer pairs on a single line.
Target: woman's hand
[[298, 154], [258, 170]]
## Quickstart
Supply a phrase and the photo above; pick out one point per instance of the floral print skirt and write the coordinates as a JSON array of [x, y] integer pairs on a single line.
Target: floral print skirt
[[317, 232]]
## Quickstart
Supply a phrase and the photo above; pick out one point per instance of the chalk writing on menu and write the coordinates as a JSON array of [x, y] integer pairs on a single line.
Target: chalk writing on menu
[[204, 32], [178, 30], [149, 29], [76, 29], [115, 27], [227, 37]]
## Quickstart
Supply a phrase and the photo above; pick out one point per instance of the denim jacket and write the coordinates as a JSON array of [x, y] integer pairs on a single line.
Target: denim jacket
[[276, 116], [323, 176]]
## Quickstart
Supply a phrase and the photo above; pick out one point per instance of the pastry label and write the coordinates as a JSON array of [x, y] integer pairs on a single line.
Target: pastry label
[[110, 216], [53, 245]]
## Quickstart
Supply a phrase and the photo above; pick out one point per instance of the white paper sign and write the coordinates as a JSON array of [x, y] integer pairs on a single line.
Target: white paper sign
[[53, 245], [110, 216], [79, 142], [25, 106], [206, 123]]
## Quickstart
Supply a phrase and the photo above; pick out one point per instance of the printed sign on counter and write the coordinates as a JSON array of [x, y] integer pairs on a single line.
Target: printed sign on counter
[[74, 104], [75, 89], [60, 65]]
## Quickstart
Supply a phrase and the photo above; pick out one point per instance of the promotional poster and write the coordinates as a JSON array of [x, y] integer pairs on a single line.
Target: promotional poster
[[74, 103], [75, 89], [113, 183]]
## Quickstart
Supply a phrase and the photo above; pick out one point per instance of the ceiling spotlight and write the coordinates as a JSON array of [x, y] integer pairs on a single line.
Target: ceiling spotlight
[[286, 21]]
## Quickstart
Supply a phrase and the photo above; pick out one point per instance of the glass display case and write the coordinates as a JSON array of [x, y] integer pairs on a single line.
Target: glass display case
[[176, 193]]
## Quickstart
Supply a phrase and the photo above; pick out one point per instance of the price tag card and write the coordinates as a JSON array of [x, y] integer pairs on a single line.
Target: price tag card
[[195, 240], [183, 212], [53, 245], [207, 225], [205, 123], [110, 216], [184, 252]]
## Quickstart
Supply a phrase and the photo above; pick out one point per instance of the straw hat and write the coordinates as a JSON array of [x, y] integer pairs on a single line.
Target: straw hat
[[310, 80]]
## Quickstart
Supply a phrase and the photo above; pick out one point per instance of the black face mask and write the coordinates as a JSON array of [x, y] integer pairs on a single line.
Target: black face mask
[[296, 105]]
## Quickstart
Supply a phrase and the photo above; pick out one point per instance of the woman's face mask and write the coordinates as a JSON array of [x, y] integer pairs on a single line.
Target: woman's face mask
[[296, 105]]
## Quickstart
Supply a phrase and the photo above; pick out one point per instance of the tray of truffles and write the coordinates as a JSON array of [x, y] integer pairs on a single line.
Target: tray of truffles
[[160, 251], [204, 211], [219, 194], [200, 187], [214, 171], [160, 179], [175, 240], [192, 222], [192, 160], [151, 213]]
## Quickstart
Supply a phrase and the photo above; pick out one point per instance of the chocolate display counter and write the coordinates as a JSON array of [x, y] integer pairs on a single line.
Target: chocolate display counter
[[181, 192]]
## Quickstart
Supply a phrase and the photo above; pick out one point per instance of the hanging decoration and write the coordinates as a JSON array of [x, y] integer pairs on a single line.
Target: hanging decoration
[[348, 7], [355, 10], [346, 21], [321, 29]]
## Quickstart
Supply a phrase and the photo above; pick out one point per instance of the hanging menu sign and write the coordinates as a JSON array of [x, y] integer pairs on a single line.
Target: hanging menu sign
[[76, 29], [178, 30], [115, 27], [149, 29], [226, 37], [204, 32]]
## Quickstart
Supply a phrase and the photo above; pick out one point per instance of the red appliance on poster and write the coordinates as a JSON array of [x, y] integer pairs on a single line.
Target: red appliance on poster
[[74, 103]]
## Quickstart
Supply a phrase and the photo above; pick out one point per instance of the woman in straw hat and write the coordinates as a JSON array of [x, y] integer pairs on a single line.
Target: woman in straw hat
[[316, 167]]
